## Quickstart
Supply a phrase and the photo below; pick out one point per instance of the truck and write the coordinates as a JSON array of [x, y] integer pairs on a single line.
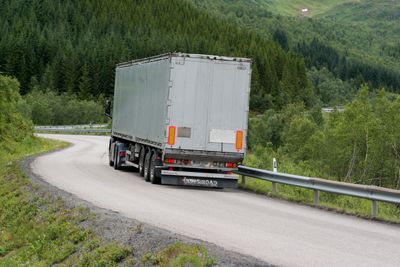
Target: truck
[[181, 118]]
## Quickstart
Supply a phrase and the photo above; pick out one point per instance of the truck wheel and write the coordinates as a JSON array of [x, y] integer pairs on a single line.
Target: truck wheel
[[141, 161], [117, 162], [146, 172], [110, 159], [154, 175]]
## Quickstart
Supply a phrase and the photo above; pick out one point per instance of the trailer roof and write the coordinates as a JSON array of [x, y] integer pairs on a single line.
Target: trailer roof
[[184, 55]]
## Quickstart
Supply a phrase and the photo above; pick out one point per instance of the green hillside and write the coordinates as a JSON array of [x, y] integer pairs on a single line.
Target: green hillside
[[73, 47], [370, 26], [294, 8], [355, 40]]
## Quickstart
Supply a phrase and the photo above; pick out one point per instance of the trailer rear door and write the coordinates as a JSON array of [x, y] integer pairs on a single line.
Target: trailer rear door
[[208, 104]]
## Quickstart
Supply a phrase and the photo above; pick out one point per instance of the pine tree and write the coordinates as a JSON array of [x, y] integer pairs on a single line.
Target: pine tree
[[85, 84], [47, 80], [280, 37]]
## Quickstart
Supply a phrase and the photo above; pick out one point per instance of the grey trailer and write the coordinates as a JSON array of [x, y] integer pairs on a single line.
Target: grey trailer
[[181, 118]]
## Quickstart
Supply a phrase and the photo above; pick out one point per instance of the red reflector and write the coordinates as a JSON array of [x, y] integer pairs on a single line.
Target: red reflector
[[229, 164], [122, 153], [171, 135], [239, 140], [169, 161], [229, 172], [170, 169]]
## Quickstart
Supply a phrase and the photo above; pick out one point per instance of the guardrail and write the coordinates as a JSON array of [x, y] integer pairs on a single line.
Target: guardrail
[[370, 192], [89, 128], [83, 126]]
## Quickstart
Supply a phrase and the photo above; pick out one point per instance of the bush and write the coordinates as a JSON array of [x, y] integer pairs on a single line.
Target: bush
[[49, 108], [13, 126]]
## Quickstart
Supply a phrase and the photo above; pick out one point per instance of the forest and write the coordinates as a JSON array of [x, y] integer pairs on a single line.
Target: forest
[[72, 46], [63, 53], [359, 145], [354, 40]]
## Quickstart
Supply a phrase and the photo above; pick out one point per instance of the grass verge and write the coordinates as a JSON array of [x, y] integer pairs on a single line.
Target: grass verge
[[38, 229], [262, 159], [179, 254]]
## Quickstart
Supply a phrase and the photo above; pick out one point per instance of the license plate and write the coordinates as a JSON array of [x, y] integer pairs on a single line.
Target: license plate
[[199, 182]]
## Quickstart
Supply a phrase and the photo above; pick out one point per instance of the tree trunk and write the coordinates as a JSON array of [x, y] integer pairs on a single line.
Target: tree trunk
[[394, 146], [366, 156], [351, 165], [398, 180]]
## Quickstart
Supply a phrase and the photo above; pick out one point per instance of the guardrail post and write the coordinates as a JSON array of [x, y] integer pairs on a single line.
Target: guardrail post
[[275, 169], [274, 187], [374, 208], [243, 180], [316, 197], [274, 165]]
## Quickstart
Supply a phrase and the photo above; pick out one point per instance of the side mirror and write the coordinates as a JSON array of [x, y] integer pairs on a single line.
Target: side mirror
[[107, 108]]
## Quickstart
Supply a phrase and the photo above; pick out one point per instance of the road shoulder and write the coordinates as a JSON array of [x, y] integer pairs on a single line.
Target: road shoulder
[[144, 238]]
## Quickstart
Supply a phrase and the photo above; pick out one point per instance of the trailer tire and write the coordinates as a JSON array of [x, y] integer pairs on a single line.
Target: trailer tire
[[141, 161], [110, 160], [146, 171], [154, 175], [117, 162]]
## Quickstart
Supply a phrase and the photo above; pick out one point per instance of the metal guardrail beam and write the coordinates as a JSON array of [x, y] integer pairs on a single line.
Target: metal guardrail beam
[[73, 130], [83, 126], [373, 193]]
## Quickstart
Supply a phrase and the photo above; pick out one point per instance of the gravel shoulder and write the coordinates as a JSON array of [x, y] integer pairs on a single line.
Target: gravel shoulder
[[144, 238]]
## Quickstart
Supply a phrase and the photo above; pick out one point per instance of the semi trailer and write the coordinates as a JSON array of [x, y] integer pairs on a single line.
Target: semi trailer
[[181, 119]]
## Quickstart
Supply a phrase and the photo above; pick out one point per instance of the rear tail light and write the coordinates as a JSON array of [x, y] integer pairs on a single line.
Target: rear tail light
[[178, 161], [122, 153], [230, 165], [239, 140], [170, 161], [171, 135]]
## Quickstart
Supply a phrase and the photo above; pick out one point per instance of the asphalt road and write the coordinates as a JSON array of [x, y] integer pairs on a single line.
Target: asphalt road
[[274, 231]]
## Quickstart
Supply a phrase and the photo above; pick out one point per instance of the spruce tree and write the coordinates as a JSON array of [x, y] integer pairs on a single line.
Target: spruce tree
[[85, 84]]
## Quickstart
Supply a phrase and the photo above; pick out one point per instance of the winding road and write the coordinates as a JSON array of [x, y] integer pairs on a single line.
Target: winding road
[[275, 231]]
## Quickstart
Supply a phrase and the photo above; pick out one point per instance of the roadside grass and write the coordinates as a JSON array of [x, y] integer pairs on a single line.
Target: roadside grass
[[179, 254], [28, 147], [38, 229], [343, 204]]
